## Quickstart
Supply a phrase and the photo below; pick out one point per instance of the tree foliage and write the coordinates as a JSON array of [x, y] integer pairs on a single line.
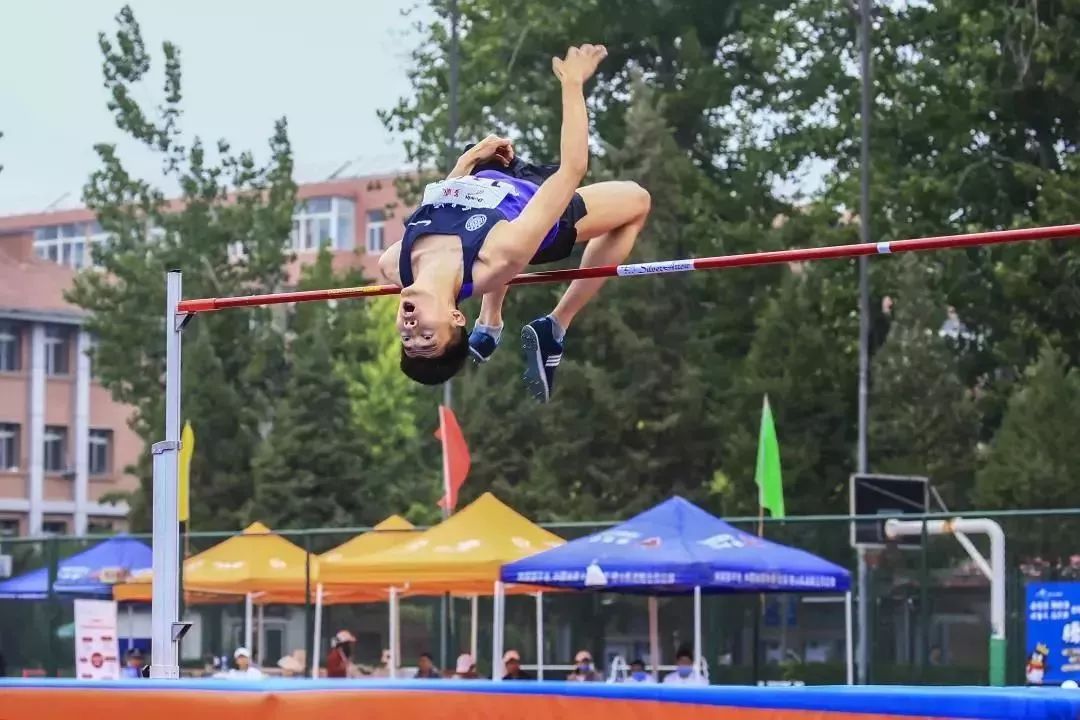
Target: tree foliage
[[230, 201], [742, 119]]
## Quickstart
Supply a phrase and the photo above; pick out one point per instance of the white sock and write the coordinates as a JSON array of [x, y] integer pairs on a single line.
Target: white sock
[[494, 331], [556, 329]]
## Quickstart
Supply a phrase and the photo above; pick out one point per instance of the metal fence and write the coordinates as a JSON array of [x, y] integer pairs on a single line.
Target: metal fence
[[928, 610]]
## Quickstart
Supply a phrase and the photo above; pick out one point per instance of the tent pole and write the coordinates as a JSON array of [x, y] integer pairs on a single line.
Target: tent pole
[[849, 660], [496, 633], [654, 636], [393, 632], [474, 628], [261, 636], [248, 630], [697, 629], [316, 645], [131, 626], [539, 636]]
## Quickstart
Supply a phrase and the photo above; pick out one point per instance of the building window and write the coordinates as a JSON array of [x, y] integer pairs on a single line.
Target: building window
[[9, 527], [376, 231], [323, 221], [100, 452], [69, 244], [54, 527], [10, 347], [55, 449], [100, 526], [57, 350], [9, 446]]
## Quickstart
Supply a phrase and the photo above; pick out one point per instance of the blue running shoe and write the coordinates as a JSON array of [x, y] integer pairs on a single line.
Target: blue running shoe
[[481, 346], [542, 355]]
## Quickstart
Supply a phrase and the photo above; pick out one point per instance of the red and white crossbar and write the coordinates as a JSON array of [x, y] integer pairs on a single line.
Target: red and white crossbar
[[667, 266]]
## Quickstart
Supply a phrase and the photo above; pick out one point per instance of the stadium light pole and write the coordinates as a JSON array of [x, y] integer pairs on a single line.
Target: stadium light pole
[[866, 82]]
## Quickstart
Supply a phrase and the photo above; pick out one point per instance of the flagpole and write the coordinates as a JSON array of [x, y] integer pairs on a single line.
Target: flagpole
[[444, 641], [760, 609]]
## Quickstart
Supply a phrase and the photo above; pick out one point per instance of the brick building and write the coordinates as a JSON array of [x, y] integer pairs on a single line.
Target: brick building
[[64, 443]]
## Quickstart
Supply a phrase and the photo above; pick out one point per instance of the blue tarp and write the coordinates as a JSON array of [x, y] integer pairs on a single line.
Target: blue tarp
[[91, 573], [673, 548]]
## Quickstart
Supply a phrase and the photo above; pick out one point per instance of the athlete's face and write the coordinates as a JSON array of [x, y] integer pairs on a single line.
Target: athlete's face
[[426, 324]]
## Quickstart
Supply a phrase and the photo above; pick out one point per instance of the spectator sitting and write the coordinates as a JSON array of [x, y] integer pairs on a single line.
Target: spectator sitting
[[584, 670], [338, 661], [244, 670], [465, 668], [132, 664], [638, 674], [685, 673], [425, 668], [291, 666], [512, 663]]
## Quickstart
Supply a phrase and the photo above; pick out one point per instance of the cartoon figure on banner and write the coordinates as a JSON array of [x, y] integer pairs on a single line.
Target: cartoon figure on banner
[[1036, 665]]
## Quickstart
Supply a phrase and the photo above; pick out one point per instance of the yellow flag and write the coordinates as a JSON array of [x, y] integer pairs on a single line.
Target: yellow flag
[[183, 492]]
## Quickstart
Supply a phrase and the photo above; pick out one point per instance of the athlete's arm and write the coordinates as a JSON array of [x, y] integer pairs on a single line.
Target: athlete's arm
[[492, 146], [388, 264], [521, 237]]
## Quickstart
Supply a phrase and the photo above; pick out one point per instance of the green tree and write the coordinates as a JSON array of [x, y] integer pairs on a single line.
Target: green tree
[[396, 419], [925, 419], [228, 233], [309, 471], [1032, 462]]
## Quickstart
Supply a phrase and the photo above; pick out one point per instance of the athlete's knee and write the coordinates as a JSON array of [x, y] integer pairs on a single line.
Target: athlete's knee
[[638, 201]]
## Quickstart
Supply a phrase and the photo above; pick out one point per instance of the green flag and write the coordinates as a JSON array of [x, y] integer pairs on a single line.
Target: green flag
[[767, 476]]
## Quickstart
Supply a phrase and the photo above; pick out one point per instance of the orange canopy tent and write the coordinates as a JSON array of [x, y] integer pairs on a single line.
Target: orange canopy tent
[[256, 562], [461, 555], [271, 568]]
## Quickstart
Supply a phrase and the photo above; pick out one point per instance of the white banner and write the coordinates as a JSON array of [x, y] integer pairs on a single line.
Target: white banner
[[96, 647]]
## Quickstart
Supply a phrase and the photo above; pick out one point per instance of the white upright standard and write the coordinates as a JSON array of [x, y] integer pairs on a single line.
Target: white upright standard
[[166, 628]]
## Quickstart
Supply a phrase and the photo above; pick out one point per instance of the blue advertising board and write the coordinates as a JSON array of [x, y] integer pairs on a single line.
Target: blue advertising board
[[1052, 613]]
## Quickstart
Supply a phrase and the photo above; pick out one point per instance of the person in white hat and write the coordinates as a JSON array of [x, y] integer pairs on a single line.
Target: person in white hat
[[244, 670], [512, 663], [339, 661]]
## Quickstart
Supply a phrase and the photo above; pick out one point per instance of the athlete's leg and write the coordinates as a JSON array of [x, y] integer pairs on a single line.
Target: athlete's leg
[[484, 338], [616, 213]]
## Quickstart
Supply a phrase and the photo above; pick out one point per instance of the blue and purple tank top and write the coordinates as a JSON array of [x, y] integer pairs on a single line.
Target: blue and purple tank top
[[468, 207]]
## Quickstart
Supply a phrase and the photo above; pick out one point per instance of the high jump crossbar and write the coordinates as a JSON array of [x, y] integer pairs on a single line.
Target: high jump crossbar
[[775, 257], [166, 626]]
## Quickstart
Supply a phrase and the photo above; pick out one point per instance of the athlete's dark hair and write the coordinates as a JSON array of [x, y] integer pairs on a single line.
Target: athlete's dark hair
[[684, 652], [437, 370]]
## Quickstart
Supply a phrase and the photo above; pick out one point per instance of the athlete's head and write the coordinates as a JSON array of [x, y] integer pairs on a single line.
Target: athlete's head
[[434, 343]]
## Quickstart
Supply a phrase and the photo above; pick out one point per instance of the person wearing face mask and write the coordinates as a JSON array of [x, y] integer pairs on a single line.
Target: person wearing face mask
[[638, 674], [584, 670], [684, 674]]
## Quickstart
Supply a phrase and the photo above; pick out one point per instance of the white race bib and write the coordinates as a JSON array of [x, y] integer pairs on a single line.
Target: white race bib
[[467, 191]]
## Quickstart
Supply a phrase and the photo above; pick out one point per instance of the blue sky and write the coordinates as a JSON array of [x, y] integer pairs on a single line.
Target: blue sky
[[338, 62]]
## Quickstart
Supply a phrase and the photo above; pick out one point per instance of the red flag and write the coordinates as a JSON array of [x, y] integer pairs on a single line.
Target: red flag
[[455, 456]]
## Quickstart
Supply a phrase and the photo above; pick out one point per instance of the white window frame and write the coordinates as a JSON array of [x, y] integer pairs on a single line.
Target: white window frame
[[99, 437], [51, 342], [14, 337], [10, 432], [61, 246], [339, 206], [375, 234], [51, 436]]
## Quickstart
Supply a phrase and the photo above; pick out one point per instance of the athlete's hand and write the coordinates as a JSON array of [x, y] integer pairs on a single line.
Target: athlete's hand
[[579, 64], [493, 146]]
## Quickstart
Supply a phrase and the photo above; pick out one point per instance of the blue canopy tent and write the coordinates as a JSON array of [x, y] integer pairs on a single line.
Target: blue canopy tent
[[676, 548], [90, 573]]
